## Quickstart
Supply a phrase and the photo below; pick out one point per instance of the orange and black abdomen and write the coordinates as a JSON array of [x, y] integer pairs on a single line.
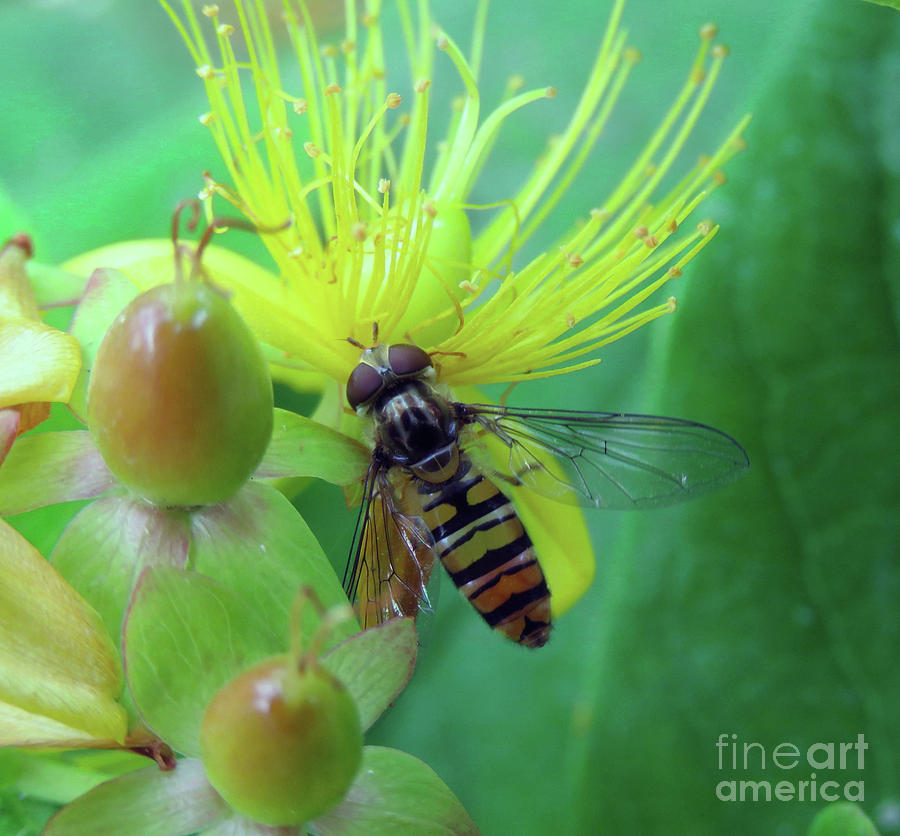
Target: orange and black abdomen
[[484, 546]]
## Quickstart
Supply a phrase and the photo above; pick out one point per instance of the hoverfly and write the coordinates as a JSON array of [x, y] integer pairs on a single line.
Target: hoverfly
[[430, 492]]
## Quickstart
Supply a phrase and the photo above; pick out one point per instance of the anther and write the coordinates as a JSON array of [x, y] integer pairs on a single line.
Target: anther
[[442, 42], [720, 51], [672, 226], [708, 31], [332, 89], [550, 92], [705, 227], [210, 10], [640, 232], [575, 260], [674, 272], [206, 119], [384, 186], [633, 55], [672, 304], [393, 100], [347, 46], [301, 106], [205, 72], [720, 178], [515, 83], [312, 150], [651, 241], [225, 30], [422, 85], [570, 321], [359, 231], [430, 208]]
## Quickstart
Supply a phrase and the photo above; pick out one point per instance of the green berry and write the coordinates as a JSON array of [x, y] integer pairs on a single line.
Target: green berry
[[282, 745], [180, 397]]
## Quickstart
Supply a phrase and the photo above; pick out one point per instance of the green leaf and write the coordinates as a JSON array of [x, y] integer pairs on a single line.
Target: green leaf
[[842, 819], [60, 677], [395, 794], [375, 665], [761, 612], [107, 545], [893, 4], [46, 468], [258, 545], [186, 635], [145, 803], [303, 447], [107, 292]]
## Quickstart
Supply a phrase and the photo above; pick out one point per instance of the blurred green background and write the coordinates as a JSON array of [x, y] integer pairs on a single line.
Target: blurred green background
[[768, 611]]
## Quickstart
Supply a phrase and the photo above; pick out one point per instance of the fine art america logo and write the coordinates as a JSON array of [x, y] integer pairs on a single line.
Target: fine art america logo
[[819, 772]]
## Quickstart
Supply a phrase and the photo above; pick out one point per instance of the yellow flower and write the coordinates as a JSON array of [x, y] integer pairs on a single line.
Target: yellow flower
[[378, 231], [375, 227], [38, 363]]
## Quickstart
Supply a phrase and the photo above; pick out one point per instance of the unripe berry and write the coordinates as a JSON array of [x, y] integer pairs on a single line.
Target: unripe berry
[[280, 744], [180, 397]]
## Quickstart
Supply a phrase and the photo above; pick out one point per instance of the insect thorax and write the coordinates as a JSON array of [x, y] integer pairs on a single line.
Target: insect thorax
[[417, 428]]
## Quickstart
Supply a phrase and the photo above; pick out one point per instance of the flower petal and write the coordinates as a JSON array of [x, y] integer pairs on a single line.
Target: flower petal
[[59, 674], [37, 362]]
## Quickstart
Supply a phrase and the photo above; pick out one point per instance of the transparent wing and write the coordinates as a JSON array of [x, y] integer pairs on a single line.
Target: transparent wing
[[604, 459], [391, 557]]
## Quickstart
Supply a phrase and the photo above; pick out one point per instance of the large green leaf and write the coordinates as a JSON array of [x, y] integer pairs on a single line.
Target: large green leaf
[[765, 614]]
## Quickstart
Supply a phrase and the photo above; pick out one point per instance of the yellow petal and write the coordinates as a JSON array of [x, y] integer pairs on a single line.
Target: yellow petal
[[59, 673], [37, 362]]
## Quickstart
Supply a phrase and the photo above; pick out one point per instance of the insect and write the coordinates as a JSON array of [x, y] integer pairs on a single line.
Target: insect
[[433, 490]]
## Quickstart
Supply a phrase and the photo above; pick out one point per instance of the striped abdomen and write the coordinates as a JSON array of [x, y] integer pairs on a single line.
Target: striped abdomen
[[484, 546]]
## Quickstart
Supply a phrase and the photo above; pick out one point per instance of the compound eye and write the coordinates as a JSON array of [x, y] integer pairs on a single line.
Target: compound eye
[[363, 385], [405, 359]]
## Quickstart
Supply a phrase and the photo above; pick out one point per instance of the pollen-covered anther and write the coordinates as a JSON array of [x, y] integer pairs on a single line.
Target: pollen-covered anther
[[674, 272], [210, 10], [720, 178], [205, 72], [226, 30], [384, 186], [705, 227], [720, 51], [570, 321], [393, 100], [550, 92], [332, 89], [708, 31], [301, 106], [359, 231], [312, 150], [651, 241], [575, 261], [422, 85], [672, 226], [671, 304], [429, 207], [640, 232], [632, 55], [206, 119]]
